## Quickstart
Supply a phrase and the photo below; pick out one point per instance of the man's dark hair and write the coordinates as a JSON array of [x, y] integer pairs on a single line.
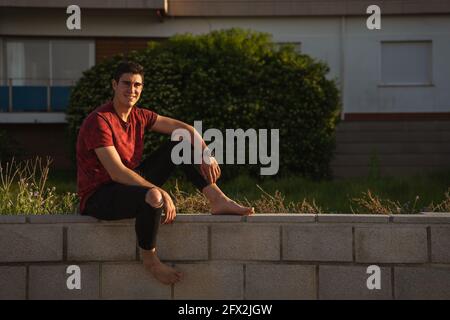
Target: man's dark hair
[[128, 67]]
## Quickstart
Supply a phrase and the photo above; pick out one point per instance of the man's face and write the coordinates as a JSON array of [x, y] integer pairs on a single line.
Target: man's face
[[129, 88]]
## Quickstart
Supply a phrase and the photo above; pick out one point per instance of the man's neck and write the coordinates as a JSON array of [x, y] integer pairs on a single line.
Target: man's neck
[[123, 111]]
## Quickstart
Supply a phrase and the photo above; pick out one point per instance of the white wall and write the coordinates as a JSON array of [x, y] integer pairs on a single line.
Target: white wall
[[351, 50], [362, 66]]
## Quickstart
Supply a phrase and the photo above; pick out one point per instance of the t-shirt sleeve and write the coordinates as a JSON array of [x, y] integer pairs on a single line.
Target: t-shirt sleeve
[[149, 118], [98, 133]]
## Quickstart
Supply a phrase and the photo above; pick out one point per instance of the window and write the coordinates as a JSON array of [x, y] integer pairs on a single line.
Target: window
[[38, 74], [406, 63], [40, 61], [70, 59], [27, 62]]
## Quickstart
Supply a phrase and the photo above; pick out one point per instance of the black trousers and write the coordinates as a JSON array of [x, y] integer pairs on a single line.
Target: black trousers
[[115, 201]]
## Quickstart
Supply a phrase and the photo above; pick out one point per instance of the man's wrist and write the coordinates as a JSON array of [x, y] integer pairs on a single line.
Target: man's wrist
[[207, 151]]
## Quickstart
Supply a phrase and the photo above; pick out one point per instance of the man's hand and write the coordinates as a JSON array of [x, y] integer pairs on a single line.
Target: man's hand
[[211, 172], [169, 207]]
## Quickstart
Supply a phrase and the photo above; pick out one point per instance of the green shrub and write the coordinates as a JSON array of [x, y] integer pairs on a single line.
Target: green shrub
[[231, 79]]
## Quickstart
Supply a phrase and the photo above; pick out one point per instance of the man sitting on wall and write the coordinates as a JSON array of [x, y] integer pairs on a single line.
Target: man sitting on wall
[[114, 184]]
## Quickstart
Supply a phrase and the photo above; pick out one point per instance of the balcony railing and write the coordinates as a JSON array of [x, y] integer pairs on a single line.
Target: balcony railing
[[35, 95]]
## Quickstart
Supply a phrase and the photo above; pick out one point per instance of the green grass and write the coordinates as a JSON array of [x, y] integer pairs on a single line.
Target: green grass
[[335, 195], [24, 189], [331, 196], [63, 180]]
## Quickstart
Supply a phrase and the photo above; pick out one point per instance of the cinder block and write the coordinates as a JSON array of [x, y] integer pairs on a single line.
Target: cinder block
[[423, 218], [121, 222], [350, 283], [391, 244], [210, 282], [4, 219], [25, 242], [245, 242], [317, 243], [13, 283], [277, 281], [101, 242], [61, 218], [282, 217], [422, 283], [51, 282], [440, 244], [353, 218], [131, 281], [185, 241], [207, 217]]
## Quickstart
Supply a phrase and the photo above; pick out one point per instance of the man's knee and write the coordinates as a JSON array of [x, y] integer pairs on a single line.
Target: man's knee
[[154, 198]]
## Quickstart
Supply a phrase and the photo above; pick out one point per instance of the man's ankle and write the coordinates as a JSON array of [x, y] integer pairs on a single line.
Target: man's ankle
[[150, 257], [213, 193]]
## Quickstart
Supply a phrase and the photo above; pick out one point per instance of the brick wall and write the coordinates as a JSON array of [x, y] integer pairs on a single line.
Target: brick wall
[[228, 257], [401, 147], [50, 139]]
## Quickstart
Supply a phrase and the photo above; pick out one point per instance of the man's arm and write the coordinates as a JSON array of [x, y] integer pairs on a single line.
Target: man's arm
[[167, 125], [211, 172], [110, 159]]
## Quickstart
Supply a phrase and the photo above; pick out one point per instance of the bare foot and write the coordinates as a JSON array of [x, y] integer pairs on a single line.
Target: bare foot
[[221, 204], [163, 273], [225, 205]]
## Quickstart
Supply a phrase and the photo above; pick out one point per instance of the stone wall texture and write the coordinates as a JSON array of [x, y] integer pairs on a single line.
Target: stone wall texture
[[266, 256]]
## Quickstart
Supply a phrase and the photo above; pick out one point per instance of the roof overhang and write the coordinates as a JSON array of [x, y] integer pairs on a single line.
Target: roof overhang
[[88, 4], [302, 8]]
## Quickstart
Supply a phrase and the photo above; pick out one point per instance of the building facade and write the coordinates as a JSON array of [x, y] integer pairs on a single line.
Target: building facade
[[395, 81]]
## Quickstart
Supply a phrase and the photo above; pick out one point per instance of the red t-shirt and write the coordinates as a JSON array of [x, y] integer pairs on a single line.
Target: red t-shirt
[[102, 128]]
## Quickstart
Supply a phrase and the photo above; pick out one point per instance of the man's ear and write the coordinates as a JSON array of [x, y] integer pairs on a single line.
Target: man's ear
[[114, 84]]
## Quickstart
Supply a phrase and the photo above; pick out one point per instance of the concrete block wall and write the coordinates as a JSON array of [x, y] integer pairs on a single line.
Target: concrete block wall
[[270, 256]]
